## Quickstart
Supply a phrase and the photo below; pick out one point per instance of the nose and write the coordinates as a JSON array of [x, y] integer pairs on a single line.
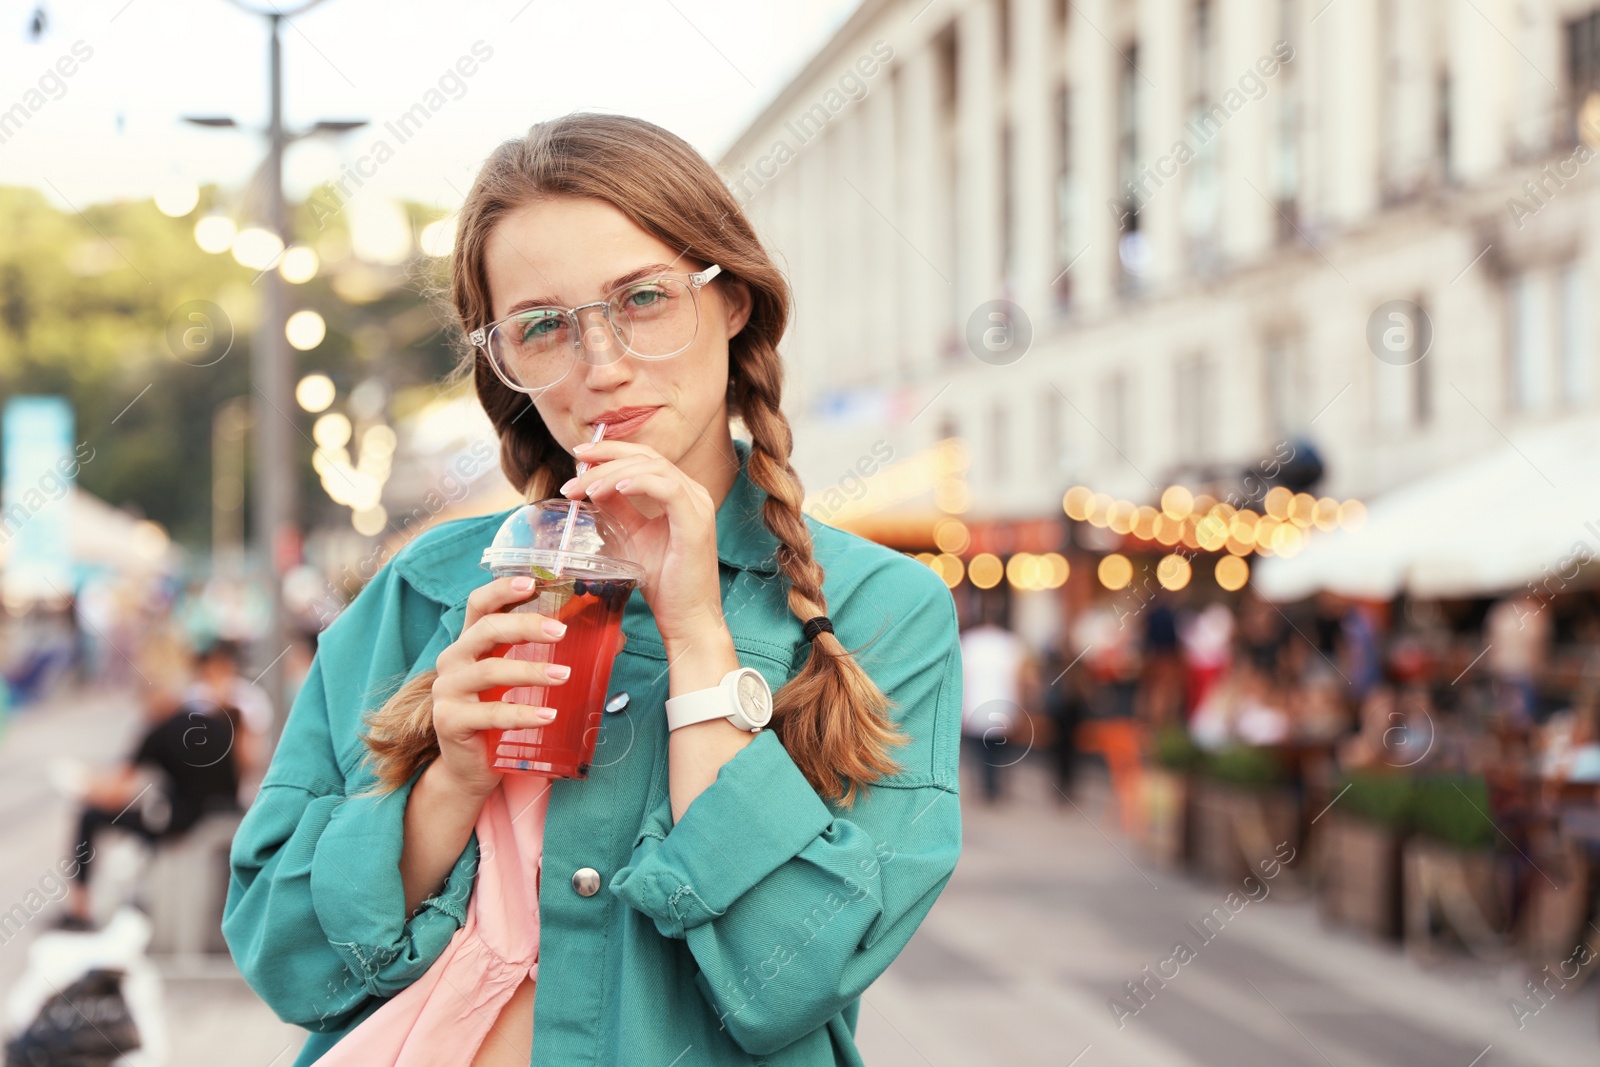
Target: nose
[[597, 339], [604, 367]]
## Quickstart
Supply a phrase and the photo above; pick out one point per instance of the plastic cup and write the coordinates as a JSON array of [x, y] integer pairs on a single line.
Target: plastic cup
[[586, 586]]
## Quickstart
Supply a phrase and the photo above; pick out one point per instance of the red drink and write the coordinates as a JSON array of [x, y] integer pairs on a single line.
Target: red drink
[[592, 609]]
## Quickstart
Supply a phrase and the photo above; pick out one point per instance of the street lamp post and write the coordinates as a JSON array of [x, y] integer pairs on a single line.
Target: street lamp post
[[276, 529]]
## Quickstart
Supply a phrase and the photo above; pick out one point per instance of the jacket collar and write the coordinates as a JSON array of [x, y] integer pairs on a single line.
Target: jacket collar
[[743, 540]]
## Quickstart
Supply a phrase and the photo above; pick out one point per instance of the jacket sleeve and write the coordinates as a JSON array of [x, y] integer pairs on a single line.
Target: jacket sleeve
[[790, 908], [315, 908]]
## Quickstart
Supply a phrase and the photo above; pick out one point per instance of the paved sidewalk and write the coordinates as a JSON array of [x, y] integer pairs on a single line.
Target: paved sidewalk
[[1045, 920]]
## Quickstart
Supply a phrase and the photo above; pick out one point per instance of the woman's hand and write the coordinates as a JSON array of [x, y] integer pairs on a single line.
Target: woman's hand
[[465, 669], [672, 522]]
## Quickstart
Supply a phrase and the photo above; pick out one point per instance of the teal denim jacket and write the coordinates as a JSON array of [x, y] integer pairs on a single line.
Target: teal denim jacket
[[743, 934]]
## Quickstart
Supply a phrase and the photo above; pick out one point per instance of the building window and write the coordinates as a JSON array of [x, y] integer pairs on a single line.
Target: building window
[[1066, 199], [1008, 204], [1394, 161], [1131, 247], [1286, 133], [1284, 385], [1193, 383], [1583, 78], [1577, 343], [1003, 29], [1442, 128], [1053, 419], [1401, 392], [999, 443], [1530, 363], [1201, 190], [1114, 429]]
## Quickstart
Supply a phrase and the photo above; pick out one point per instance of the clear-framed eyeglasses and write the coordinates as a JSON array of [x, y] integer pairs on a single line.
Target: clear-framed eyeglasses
[[655, 317]]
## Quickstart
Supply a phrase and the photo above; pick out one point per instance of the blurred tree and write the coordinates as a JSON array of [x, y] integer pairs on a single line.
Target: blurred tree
[[85, 305]]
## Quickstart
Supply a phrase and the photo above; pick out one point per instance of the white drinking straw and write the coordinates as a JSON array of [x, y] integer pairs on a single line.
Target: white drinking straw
[[572, 509]]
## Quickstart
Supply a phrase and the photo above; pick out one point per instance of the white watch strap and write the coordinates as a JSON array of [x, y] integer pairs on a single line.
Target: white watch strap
[[700, 705]]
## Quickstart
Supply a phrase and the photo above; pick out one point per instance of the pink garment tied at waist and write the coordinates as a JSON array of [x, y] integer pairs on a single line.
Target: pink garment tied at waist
[[442, 1018]]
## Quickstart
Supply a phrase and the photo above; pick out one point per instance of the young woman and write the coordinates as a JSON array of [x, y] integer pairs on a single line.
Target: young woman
[[717, 896]]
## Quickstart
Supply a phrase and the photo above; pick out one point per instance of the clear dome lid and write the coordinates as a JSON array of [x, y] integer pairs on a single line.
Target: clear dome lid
[[531, 538]]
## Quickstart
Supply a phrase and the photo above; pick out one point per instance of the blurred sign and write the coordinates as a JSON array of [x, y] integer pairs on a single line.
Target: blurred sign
[[40, 467]]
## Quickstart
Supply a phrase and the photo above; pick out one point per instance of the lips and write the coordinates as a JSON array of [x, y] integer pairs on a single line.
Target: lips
[[622, 421]]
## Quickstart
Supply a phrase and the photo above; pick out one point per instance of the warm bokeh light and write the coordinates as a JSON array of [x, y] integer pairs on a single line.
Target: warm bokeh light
[[1177, 502], [1211, 532], [378, 441], [1265, 531], [1115, 571], [438, 238], [1167, 529], [1121, 517], [299, 265], [369, 522], [1276, 503], [256, 248], [1076, 503], [1023, 571], [331, 431], [215, 234], [1288, 540], [1231, 573], [1352, 515], [314, 393], [1303, 510], [1056, 569], [176, 199], [1144, 522], [950, 568], [952, 536], [305, 330], [985, 570], [1242, 527], [1173, 572]]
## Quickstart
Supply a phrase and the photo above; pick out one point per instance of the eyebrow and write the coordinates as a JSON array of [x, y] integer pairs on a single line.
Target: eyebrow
[[556, 301]]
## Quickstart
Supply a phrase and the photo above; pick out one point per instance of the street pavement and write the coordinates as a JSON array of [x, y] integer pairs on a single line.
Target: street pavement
[[1048, 917]]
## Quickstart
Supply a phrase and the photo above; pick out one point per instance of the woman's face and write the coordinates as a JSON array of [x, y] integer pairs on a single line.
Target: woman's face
[[568, 251]]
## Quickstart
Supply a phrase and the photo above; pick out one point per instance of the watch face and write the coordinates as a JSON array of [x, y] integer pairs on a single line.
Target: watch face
[[753, 698]]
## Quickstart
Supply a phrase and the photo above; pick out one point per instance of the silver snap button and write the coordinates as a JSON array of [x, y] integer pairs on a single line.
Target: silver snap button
[[586, 881], [617, 703]]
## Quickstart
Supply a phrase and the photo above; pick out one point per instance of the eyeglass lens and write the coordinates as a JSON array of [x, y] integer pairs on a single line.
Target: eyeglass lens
[[651, 319]]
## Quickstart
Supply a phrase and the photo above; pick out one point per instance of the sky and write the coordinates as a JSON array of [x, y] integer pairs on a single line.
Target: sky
[[103, 90]]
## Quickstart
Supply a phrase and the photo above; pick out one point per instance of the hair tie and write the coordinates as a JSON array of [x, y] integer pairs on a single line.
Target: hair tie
[[813, 627]]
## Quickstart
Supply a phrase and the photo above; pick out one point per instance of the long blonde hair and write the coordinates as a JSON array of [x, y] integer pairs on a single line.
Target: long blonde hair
[[831, 717]]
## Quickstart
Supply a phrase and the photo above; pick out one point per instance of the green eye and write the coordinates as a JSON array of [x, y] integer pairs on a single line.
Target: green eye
[[538, 326], [643, 297]]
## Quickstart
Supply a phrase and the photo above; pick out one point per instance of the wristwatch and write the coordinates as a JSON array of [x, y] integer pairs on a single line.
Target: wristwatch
[[742, 697]]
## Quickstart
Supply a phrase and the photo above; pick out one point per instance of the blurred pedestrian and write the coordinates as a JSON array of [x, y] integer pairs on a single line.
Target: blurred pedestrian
[[1517, 633], [193, 771], [994, 662], [1065, 683], [219, 684], [1161, 681]]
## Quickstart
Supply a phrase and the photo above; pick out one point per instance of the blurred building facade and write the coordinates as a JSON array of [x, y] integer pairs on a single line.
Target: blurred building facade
[[1202, 213]]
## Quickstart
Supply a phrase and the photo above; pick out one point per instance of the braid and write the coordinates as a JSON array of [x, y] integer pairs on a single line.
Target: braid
[[831, 717]]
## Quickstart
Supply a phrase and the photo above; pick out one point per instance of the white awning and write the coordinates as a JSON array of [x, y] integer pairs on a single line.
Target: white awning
[[1527, 512]]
